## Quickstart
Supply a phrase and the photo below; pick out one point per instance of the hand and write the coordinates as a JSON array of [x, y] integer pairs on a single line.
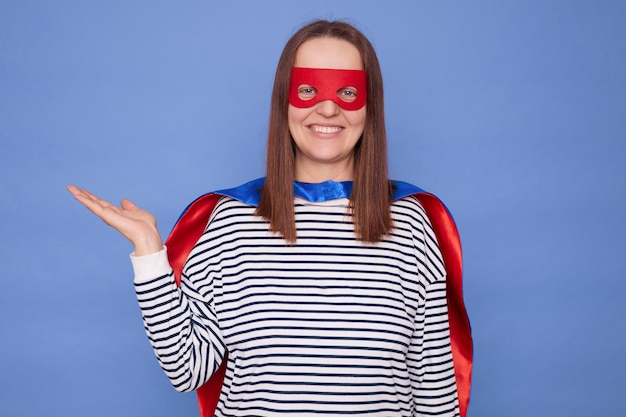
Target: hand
[[135, 224]]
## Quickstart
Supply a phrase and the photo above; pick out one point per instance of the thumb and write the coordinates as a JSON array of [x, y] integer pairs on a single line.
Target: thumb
[[129, 205]]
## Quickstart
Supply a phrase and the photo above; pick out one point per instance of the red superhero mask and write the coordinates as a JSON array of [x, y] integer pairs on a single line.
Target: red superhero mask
[[328, 84]]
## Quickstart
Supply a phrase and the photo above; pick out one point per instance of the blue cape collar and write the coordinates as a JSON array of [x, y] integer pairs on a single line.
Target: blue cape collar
[[250, 192]]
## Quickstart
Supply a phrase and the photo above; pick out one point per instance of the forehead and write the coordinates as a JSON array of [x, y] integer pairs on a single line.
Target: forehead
[[328, 53]]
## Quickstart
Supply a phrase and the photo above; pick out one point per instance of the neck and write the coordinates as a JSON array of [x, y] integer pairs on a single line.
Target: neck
[[317, 174]]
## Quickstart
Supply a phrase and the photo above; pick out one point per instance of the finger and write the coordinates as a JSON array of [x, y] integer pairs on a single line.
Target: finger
[[93, 203], [80, 192], [129, 205], [74, 190], [86, 195]]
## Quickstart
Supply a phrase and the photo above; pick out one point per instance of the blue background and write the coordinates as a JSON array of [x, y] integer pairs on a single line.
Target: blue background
[[513, 112]]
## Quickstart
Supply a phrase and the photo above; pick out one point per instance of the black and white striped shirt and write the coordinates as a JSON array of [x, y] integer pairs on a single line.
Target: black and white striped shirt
[[328, 326]]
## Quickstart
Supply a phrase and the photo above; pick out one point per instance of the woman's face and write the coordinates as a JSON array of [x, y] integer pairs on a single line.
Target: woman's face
[[325, 134]]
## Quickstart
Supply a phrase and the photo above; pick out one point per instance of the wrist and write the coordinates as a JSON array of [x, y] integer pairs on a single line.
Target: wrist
[[148, 245]]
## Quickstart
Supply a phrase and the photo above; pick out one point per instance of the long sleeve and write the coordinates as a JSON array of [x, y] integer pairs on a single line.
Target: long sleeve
[[430, 357], [181, 324]]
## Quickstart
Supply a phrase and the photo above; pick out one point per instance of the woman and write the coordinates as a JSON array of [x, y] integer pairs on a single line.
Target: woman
[[323, 284]]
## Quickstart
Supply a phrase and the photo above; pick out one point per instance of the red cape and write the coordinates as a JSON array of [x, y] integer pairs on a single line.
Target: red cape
[[192, 223]]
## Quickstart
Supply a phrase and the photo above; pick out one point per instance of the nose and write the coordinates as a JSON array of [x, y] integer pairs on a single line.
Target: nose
[[327, 108]]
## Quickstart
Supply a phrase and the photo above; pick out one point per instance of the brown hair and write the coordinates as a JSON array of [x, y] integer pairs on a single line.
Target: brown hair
[[371, 191]]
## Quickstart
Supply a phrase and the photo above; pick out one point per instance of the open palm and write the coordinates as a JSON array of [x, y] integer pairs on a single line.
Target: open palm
[[134, 223]]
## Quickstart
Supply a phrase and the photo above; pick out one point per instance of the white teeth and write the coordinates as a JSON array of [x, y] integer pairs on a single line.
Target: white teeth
[[325, 129]]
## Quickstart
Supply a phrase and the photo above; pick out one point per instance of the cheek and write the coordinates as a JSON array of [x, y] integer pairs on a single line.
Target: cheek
[[295, 116], [356, 118]]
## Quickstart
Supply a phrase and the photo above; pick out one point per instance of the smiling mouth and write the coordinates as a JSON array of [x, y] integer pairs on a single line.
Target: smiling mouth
[[325, 129]]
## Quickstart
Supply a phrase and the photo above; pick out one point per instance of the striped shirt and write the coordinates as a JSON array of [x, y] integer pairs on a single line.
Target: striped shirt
[[326, 327]]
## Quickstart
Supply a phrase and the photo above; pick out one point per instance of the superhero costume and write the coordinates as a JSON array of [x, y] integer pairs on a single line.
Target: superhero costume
[[194, 219]]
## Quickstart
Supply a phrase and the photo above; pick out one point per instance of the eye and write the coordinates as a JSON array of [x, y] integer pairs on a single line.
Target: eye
[[306, 92], [347, 94]]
